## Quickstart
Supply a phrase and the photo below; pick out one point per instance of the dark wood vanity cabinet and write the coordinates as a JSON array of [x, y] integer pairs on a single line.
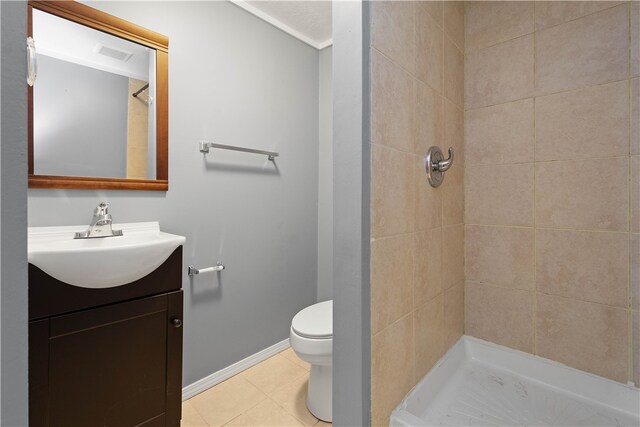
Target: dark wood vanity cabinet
[[116, 364]]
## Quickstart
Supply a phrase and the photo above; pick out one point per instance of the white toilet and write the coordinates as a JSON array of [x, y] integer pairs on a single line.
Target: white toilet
[[311, 338]]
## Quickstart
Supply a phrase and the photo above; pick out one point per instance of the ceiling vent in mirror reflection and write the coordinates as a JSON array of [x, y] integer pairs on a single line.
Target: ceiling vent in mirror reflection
[[74, 43], [120, 55]]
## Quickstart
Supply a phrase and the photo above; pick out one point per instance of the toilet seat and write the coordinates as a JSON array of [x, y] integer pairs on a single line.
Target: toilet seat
[[315, 321]]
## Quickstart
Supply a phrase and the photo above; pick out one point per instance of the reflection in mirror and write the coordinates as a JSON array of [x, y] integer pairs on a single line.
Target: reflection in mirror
[[93, 102], [98, 111]]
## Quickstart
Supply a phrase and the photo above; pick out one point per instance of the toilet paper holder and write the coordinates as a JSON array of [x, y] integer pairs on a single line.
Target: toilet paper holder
[[192, 271]]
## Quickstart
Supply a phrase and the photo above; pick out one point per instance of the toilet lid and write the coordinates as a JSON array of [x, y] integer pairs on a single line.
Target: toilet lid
[[315, 321]]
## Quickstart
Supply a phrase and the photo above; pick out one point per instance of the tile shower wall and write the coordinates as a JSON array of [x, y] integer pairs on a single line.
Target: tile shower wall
[[552, 195], [417, 270]]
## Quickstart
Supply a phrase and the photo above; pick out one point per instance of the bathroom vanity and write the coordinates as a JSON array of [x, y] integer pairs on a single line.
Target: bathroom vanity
[[110, 355]]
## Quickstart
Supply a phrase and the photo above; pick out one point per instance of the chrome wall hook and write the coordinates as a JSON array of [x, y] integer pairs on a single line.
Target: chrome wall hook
[[436, 165]]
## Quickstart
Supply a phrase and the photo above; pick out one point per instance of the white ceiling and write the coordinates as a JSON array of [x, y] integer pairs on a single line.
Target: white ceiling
[[309, 21]]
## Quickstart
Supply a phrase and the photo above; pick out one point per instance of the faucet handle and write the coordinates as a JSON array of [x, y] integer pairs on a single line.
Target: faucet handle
[[102, 208]]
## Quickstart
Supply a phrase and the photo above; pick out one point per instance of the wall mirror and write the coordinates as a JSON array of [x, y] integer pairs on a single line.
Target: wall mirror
[[98, 108]]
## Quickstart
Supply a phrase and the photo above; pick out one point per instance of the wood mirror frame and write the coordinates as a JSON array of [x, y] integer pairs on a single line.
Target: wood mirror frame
[[104, 22]]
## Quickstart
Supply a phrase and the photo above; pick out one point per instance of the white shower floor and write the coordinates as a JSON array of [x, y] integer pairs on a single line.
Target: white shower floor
[[481, 384]]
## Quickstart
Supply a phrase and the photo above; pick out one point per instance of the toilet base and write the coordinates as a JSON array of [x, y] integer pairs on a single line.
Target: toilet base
[[319, 394]]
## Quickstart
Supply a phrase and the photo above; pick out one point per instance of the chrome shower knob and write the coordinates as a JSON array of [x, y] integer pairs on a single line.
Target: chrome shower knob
[[436, 165]]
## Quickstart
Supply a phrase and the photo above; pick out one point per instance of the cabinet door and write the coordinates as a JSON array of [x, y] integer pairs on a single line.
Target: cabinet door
[[109, 366]]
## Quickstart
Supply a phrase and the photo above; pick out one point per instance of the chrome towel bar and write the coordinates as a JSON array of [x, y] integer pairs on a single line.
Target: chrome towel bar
[[205, 145], [193, 271]]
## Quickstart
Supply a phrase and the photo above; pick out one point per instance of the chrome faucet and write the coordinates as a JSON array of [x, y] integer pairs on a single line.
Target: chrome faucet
[[100, 225]]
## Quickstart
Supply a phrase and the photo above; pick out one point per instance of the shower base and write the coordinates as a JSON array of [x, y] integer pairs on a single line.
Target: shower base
[[478, 383]]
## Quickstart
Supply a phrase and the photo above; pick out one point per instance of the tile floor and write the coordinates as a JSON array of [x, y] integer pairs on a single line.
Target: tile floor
[[271, 393]]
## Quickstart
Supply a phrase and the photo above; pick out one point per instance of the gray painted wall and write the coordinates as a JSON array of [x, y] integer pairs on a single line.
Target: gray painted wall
[[78, 111], [351, 233], [236, 80], [325, 177], [13, 216]]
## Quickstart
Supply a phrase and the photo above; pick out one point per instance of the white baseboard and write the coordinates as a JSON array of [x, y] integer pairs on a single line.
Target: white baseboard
[[226, 373]]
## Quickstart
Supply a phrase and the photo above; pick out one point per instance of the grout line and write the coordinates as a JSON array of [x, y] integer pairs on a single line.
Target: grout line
[[394, 62], [411, 233], [630, 373], [498, 43], [196, 410], [534, 319], [535, 162], [502, 286], [443, 136], [546, 228], [397, 150], [401, 318], [536, 30], [542, 94], [414, 191]]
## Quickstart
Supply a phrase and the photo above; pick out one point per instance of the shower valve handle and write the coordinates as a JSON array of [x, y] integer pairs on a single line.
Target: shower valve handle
[[436, 165]]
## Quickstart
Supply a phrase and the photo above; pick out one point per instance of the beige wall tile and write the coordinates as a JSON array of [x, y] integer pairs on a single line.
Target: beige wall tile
[[635, 194], [266, 413], [499, 195], [452, 256], [500, 134], [427, 266], [391, 280], [393, 104], [227, 400], [492, 22], [574, 125], [428, 200], [635, 116], [429, 119], [569, 195], [273, 374], [428, 322], [453, 131], [392, 31], [391, 370], [500, 315], [500, 255], [550, 13], [597, 272], [453, 195], [453, 315], [500, 73], [433, 7], [452, 187], [635, 272], [429, 49], [635, 38], [587, 336], [635, 369], [392, 210], [454, 22], [587, 51], [453, 73]]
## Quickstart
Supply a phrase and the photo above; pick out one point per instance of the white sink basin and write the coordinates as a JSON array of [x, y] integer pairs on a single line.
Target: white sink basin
[[104, 262]]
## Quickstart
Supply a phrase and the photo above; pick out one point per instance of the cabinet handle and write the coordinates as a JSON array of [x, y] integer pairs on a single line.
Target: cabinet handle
[[176, 322]]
